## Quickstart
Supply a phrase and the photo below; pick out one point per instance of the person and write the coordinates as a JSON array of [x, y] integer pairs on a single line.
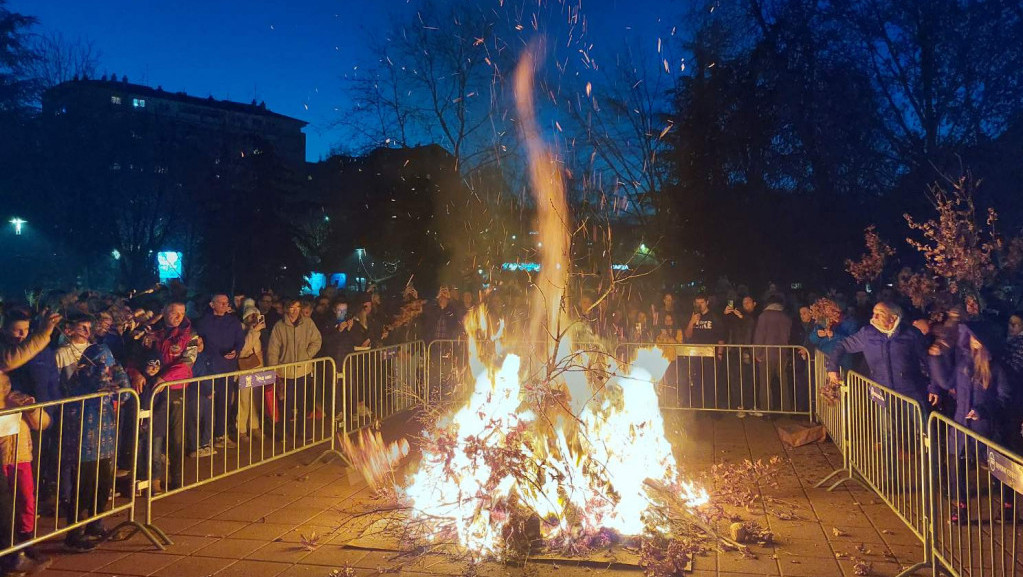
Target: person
[[824, 335], [170, 338], [89, 443], [669, 332], [78, 336], [983, 397], [16, 454], [144, 379], [37, 376], [223, 338], [294, 339], [895, 354], [774, 390], [440, 318], [705, 327], [104, 332], [1014, 344], [250, 357], [741, 321]]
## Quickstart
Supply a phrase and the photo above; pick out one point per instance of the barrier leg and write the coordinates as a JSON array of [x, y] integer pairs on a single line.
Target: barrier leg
[[332, 452]]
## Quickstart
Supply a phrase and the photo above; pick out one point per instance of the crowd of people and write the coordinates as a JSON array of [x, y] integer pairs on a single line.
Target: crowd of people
[[68, 344]]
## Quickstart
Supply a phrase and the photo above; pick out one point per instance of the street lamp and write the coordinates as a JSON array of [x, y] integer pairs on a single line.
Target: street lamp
[[17, 222]]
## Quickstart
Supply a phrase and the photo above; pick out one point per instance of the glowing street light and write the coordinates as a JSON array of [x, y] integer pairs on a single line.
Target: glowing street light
[[17, 222]]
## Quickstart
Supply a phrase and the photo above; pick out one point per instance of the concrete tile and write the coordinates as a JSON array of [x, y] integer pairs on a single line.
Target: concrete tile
[[141, 564], [249, 512], [230, 548], [808, 567], [263, 531], [279, 551], [253, 568], [322, 533], [214, 528], [194, 567], [82, 562], [733, 561], [333, 556]]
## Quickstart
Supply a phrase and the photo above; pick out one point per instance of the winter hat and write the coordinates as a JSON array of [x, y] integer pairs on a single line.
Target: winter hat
[[248, 303]]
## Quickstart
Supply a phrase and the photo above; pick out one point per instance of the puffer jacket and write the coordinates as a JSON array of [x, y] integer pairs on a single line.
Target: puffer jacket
[[898, 362], [292, 343]]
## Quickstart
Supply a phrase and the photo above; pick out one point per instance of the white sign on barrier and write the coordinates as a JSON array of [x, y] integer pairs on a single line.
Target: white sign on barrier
[[1005, 470], [878, 397], [259, 379], [10, 425]]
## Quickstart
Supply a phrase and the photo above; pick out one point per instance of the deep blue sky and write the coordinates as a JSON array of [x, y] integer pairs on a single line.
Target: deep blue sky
[[289, 53]]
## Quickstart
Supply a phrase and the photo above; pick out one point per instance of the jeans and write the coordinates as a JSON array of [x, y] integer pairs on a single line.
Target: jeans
[[198, 416]]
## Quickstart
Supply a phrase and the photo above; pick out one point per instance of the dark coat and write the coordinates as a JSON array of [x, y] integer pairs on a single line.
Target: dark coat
[[898, 362], [221, 335], [774, 327]]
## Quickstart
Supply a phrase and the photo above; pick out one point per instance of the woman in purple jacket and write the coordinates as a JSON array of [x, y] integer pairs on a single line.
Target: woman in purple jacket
[[982, 394]]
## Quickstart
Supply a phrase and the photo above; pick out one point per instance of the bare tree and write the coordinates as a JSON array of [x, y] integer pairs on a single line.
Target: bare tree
[[949, 72], [61, 58]]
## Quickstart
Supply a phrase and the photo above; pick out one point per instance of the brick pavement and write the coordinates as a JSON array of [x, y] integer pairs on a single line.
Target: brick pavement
[[252, 523]]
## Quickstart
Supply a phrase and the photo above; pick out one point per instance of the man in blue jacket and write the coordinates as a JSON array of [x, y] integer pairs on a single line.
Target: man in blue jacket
[[224, 338], [895, 352]]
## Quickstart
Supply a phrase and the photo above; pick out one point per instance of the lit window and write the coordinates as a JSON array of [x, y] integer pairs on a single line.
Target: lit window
[[115, 100], [138, 102]]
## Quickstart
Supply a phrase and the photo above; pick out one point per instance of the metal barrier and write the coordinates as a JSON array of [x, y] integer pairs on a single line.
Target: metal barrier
[[976, 490], [886, 451], [758, 378], [189, 424], [830, 402], [380, 383], [447, 366], [76, 444]]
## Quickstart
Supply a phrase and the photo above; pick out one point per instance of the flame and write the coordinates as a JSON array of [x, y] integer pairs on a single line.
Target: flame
[[577, 454]]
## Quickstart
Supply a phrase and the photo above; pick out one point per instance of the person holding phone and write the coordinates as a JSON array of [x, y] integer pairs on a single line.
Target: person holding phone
[[251, 357]]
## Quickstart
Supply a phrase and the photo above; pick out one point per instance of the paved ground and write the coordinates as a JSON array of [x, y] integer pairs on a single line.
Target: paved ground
[[252, 523]]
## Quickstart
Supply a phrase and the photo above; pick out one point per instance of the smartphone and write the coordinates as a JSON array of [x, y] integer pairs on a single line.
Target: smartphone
[[731, 304], [260, 319]]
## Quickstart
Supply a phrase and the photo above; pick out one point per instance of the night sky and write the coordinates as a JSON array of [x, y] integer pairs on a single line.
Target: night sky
[[290, 54]]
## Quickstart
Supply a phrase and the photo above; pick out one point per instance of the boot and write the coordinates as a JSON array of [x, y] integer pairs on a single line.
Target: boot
[[19, 564], [31, 551]]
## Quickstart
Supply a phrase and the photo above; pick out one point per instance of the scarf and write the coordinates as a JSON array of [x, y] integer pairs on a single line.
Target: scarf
[[888, 334]]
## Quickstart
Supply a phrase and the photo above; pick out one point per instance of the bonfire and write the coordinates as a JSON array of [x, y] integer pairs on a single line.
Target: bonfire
[[541, 460]]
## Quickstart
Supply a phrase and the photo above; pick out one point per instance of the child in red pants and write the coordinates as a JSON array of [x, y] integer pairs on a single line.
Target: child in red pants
[[16, 455]]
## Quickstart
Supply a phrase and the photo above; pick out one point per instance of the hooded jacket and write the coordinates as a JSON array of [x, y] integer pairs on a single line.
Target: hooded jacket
[[292, 343]]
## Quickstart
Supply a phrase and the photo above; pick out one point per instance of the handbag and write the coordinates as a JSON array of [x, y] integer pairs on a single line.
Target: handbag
[[253, 361]]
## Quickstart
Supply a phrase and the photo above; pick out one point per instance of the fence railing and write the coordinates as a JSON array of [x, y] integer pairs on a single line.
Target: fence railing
[[828, 405], [759, 378], [189, 424], [60, 463], [956, 490], [976, 491], [380, 383]]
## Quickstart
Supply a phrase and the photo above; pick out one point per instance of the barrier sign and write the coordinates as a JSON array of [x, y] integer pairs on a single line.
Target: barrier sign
[[259, 379], [1005, 470], [878, 397], [10, 425]]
